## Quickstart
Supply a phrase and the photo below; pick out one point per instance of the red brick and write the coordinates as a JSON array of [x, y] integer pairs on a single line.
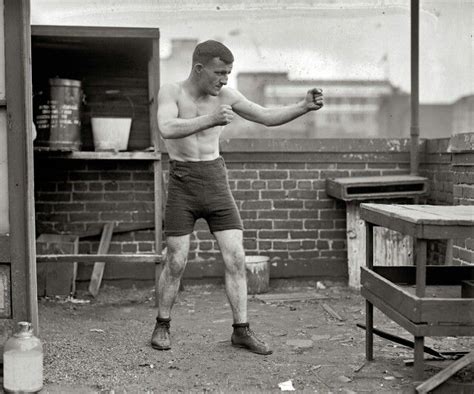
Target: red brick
[[258, 185], [288, 204], [274, 184], [243, 185], [273, 214], [289, 185], [304, 174], [258, 224], [331, 235], [242, 174], [318, 224], [264, 174], [288, 224], [264, 245], [274, 195], [251, 205], [303, 194], [304, 234], [264, 234], [116, 216]]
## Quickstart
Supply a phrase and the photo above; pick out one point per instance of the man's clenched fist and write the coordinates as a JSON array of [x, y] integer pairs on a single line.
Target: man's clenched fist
[[223, 114]]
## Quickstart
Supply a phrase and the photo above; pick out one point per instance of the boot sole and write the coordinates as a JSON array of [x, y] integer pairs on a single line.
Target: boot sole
[[252, 350], [160, 347]]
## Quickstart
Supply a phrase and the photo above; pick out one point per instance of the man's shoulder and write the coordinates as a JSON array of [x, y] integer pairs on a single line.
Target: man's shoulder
[[229, 94], [171, 88]]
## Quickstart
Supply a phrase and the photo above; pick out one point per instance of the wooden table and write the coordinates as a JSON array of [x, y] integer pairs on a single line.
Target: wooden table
[[381, 286]]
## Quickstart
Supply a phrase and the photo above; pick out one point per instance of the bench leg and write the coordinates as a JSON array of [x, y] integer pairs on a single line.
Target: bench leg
[[419, 358], [369, 334]]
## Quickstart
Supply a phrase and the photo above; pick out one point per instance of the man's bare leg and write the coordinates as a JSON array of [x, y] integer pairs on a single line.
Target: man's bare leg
[[168, 287], [231, 246], [232, 249]]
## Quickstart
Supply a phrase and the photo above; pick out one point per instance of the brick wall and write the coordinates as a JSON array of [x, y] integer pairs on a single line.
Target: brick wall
[[462, 148], [449, 165], [77, 196], [279, 187], [436, 165]]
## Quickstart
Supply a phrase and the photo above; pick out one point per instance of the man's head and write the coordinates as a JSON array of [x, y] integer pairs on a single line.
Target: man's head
[[212, 64], [210, 49]]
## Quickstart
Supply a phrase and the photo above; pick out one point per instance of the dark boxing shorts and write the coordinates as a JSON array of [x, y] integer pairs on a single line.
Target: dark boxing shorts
[[199, 189]]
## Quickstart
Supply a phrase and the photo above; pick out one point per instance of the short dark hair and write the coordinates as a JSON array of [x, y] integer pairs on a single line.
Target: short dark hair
[[208, 50]]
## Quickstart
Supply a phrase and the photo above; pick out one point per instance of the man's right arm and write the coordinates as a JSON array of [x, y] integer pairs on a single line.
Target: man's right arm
[[173, 127]]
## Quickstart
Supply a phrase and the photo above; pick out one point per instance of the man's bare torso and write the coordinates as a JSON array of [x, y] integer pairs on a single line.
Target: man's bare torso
[[203, 145]]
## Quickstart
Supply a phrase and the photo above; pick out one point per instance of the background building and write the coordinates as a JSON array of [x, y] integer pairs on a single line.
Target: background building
[[353, 108]]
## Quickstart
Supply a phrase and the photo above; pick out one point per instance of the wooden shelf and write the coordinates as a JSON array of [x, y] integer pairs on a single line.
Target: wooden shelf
[[93, 155]]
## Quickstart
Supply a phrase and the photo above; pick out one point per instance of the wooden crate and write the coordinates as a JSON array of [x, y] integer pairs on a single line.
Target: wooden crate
[[57, 279]]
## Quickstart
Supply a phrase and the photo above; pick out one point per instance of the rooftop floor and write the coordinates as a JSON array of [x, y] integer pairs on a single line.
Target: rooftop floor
[[103, 345]]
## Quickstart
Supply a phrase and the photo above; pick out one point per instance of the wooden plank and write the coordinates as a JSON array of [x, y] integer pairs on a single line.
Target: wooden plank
[[5, 291], [106, 258], [376, 187], [435, 274], [159, 185], [120, 228], [390, 222], [457, 215], [393, 295], [392, 248], [94, 31], [445, 374], [4, 248], [392, 313], [98, 271], [20, 164], [356, 239], [447, 311], [416, 329], [289, 297], [92, 155]]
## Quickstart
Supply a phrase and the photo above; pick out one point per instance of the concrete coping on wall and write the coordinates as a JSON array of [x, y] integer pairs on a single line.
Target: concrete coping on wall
[[462, 142], [298, 145]]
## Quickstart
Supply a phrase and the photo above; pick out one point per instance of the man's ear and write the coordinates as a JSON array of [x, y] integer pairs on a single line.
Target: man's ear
[[198, 68]]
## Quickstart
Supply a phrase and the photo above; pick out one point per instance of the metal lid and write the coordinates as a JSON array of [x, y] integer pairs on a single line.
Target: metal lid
[[24, 329], [64, 82]]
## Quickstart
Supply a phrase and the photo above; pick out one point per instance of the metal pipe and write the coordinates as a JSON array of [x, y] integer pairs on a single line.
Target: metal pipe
[[414, 128]]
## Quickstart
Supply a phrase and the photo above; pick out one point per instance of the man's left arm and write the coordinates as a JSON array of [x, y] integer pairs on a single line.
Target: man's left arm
[[278, 115]]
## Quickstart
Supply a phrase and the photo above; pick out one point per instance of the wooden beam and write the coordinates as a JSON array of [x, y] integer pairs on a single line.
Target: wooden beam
[[94, 31], [98, 272], [445, 374], [20, 165], [106, 258]]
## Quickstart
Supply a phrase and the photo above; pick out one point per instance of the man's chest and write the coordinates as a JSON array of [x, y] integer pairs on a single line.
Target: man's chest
[[188, 108]]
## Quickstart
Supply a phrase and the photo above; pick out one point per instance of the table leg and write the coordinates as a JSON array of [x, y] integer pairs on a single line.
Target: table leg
[[369, 308], [420, 258], [369, 334], [419, 358]]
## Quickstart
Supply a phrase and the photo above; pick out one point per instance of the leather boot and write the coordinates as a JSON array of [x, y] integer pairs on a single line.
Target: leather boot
[[160, 338], [244, 337]]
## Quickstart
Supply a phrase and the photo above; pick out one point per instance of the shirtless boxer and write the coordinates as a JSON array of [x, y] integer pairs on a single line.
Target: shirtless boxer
[[191, 116]]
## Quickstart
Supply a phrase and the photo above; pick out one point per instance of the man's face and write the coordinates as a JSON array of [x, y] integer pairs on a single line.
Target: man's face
[[214, 75]]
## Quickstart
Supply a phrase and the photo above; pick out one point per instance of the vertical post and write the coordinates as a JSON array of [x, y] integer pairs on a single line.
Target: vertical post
[[369, 308], [154, 84], [20, 165], [420, 258], [414, 128]]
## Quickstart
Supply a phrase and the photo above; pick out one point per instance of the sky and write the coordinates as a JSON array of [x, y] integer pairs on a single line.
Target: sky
[[309, 39]]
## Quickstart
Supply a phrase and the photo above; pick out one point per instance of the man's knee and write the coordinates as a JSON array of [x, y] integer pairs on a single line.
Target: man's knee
[[176, 263], [236, 262]]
